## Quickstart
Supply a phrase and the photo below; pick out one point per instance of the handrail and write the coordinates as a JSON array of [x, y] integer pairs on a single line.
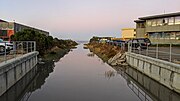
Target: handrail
[[13, 49]]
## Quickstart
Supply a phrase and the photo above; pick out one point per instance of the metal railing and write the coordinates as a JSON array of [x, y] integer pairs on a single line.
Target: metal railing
[[9, 50], [168, 52], [122, 45]]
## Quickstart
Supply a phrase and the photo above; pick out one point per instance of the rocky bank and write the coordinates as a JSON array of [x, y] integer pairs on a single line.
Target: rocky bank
[[113, 55]]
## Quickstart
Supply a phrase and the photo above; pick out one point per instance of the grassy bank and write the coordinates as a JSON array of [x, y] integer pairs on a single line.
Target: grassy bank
[[104, 51]]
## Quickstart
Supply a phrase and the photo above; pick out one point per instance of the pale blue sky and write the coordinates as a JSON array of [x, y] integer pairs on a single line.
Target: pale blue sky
[[82, 19]]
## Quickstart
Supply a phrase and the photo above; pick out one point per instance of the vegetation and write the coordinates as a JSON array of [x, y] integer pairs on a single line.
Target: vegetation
[[96, 39], [103, 50], [44, 43]]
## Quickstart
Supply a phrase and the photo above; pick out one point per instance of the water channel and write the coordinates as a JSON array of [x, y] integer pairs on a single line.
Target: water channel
[[82, 76]]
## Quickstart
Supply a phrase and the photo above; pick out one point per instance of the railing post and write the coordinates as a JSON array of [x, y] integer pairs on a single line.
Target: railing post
[[31, 46], [157, 50], [170, 55], [147, 50], [27, 47], [22, 49], [14, 48], [5, 56], [128, 47], [34, 45]]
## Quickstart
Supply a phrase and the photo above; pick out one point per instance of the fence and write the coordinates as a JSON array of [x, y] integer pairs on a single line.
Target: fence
[[122, 45], [168, 52], [16, 48]]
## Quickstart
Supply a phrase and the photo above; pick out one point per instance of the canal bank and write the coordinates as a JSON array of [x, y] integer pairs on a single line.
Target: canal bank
[[164, 72]]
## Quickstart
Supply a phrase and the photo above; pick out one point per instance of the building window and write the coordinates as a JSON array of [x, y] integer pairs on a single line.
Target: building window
[[177, 20], [178, 36], [148, 23], [165, 21], [140, 25], [159, 22], [171, 21], [172, 35], [3, 33], [154, 23], [11, 26]]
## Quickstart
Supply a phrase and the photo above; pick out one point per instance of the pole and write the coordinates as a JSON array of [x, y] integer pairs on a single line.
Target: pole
[[157, 50], [5, 56], [170, 55]]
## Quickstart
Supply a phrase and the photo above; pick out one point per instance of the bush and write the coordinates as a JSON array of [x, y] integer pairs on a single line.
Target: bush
[[43, 42]]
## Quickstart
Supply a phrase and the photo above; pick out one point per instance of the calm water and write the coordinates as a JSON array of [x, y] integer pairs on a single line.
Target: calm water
[[80, 76], [77, 77]]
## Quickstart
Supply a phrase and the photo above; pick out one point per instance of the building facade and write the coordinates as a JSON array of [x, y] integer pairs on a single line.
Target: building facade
[[10, 28], [164, 28], [128, 33]]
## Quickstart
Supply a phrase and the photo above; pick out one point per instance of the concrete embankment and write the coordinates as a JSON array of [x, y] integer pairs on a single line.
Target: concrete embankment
[[166, 73], [14, 69]]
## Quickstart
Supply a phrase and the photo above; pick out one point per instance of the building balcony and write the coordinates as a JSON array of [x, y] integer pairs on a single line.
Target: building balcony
[[166, 28]]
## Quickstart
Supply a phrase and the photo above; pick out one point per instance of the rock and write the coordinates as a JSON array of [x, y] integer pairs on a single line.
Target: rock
[[118, 59], [121, 61], [110, 60], [124, 64], [113, 63], [115, 57], [123, 56]]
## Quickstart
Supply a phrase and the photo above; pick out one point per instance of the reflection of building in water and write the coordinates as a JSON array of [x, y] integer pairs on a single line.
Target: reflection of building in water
[[147, 89], [32, 81]]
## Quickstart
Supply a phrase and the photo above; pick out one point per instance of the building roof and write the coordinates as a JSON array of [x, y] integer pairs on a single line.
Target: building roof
[[128, 29], [139, 21], [160, 16], [2, 20]]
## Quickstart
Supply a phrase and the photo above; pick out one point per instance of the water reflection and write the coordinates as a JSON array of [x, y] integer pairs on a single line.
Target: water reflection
[[145, 88], [110, 74], [90, 54], [32, 81]]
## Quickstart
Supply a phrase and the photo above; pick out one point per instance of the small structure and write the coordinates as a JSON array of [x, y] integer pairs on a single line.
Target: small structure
[[128, 33]]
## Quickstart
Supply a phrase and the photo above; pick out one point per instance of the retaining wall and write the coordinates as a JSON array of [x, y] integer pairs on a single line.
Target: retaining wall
[[164, 72], [13, 70]]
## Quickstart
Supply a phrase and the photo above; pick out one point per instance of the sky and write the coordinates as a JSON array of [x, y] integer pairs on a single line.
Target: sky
[[82, 19]]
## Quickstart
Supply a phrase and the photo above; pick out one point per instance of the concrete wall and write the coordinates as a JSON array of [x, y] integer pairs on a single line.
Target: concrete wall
[[163, 72], [13, 70], [140, 33]]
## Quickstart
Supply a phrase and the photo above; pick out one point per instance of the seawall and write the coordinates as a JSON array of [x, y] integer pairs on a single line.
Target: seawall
[[14, 69], [164, 72]]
